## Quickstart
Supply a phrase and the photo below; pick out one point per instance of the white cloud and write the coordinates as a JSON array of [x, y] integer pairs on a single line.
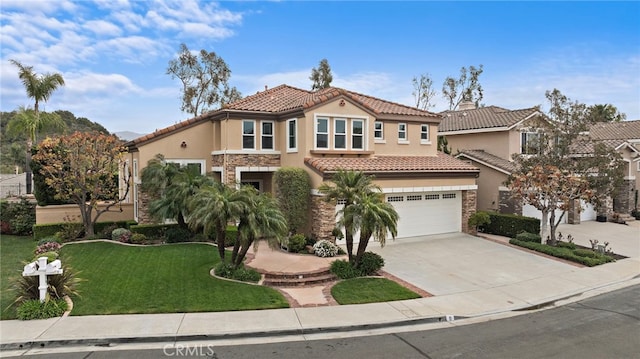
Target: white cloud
[[103, 28], [89, 83], [204, 30]]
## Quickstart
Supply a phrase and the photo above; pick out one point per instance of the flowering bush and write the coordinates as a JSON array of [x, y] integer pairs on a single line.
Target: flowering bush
[[324, 248], [121, 234], [47, 247]]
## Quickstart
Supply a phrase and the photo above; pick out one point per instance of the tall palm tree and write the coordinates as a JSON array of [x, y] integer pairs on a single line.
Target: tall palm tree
[[212, 208], [376, 218], [261, 217], [348, 186], [39, 88]]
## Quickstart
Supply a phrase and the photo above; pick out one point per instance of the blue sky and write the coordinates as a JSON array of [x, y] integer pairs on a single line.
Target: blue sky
[[113, 54]]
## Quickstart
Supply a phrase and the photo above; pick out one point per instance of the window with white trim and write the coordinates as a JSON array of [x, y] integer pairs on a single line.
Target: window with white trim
[[357, 134], [135, 170], [266, 142], [402, 132], [322, 133], [424, 133], [292, 135], [530, 143], [378, 130], [248, 135], [340, 133]]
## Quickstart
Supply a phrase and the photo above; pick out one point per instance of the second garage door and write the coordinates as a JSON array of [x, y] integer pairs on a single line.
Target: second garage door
[[427, 213]]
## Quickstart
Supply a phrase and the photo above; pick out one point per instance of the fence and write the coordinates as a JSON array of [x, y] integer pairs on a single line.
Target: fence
[[13, 185]]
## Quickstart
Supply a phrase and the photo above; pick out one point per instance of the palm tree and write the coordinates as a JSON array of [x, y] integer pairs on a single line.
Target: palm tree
[[376, 218], [39, 88], [260, 218], [212, 208], [349, 186]]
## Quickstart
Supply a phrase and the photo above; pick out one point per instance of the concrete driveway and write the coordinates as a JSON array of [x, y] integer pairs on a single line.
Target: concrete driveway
[[623, 239], [458, 263]]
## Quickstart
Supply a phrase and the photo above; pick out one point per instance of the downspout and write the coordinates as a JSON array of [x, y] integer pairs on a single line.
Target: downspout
[[224, 150]]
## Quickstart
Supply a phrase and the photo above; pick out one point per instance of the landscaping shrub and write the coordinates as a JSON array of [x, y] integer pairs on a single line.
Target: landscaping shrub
[[138, 238], [344, 270], [153, 231], [564, 253], [370, 263], [231, 236], [566, 245], [324, 248], [243, 274], [17, 217], [528, 237], [49, 239], [26, 288], [178, 235], [296, 243], [51, 256], [47, 247], [585, 253], [34, 309], [121, 235], [479, 219], [46, 230], [293, 188], [509, 225]]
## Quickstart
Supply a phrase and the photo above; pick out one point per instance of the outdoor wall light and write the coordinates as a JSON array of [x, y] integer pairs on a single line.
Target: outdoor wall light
[[183, 144]]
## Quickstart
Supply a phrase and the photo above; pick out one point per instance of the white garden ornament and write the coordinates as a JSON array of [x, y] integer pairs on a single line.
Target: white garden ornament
[[42, 269]]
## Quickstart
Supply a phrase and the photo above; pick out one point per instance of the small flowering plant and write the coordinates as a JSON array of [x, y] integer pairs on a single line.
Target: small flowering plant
[[47, 247], [121, 234], [324, 248]]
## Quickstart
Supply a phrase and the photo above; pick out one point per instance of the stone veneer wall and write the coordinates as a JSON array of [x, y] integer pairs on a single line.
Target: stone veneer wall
[[469, 205], [322, 218], [243, 160], [624, 199], [573, 214], [143, 204]]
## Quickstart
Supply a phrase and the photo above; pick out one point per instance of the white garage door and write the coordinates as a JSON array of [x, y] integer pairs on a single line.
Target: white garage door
[[588, 212], [427, 213]]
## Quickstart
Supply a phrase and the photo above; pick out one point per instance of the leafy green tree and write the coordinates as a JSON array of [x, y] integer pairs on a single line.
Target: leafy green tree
[[39, 88], [443, 145], [259, 217], [349, 187], [374, 218], [321, 76], [423, 91], [212, 208], [293, 190], [204, 78], [465, 88], [569, 166], [84, 168], [605, 113]]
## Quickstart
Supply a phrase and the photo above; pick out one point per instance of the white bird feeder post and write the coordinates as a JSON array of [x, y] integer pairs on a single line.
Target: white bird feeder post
[[41, 269]]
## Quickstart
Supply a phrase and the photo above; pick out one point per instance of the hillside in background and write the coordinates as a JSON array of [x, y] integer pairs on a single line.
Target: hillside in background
[[128, 135], [12, 148]]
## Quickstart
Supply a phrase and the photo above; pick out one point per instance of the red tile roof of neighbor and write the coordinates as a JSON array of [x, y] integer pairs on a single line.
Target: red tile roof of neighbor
[[285, 98], [482, 118], [383, 164]]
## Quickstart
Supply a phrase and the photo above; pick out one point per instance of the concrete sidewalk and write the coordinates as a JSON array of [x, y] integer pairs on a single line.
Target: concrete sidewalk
[[19, 336]]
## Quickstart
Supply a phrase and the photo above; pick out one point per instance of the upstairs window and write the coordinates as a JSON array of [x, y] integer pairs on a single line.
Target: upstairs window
[[530, 143], [292, 138], [402, 132], [267, 135], [340, 134], [424, 133], [378, 130], [357, 135], [248, 135], [322, 133]]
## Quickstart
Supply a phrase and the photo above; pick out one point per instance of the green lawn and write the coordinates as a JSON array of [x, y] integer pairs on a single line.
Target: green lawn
[[370, 290], [158, 279], [14, 251]]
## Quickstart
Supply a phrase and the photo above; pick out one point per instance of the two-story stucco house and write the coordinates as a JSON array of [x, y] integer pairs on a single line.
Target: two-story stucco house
[[322, 132]]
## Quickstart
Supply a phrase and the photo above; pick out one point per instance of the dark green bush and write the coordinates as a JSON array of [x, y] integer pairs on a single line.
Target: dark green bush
[[566, 245], [152, 231], [231, 236], [344, 270], [293, 188], [19, 217], [585, 253], [138, 238], [564, 253], [509, 225], [296, 243], [33, 309], [243, 274], [528, 237], [178, 234], [67, 229], [370, 263]]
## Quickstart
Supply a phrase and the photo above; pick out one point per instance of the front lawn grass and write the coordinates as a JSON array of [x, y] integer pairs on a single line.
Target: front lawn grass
[[370, 290], [14, 251], [174, 278]]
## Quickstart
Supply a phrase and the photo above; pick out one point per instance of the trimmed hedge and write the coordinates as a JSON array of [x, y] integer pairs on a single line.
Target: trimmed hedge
[[50, 229], [574, 255], [528, 237], [152, 230], [509, 225]]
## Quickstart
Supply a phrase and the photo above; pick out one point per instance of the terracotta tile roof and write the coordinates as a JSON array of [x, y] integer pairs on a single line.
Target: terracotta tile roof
[[285, 98], [623, 130], [386, 164], [488, 158], [482, 118]]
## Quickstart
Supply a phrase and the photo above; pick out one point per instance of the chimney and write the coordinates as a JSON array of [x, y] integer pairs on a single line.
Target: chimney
[[265, 87], [466, 105]]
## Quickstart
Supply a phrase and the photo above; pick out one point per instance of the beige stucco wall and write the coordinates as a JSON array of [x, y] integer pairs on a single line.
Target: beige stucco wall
[[496, 143], [489, 182], [391, 146], [57, 214]]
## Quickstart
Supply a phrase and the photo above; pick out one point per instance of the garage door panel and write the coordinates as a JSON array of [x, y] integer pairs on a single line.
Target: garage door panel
[[427, 213]]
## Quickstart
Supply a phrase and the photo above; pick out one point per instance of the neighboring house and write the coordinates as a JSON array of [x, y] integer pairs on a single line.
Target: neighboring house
[[488, 137], [323, 131]]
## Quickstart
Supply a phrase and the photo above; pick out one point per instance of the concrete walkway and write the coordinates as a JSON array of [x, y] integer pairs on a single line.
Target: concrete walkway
[[472, 297]]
